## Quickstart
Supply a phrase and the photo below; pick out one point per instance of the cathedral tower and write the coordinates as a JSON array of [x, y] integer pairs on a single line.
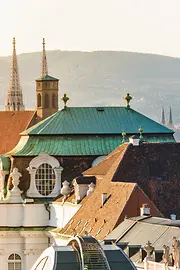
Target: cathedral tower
[[163, 122], [46, 90], [14, 98], [170, 119]]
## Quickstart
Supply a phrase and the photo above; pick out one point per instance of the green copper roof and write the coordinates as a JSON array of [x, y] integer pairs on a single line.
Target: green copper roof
[[92, 120], [47, 78], [76, 145], [5, 161]]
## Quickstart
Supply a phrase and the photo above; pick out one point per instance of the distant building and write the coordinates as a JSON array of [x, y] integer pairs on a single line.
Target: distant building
[[169, 123]]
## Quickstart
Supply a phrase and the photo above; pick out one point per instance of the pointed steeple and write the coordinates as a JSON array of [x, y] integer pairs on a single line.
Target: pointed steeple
[[170, 120], [14, 98], [44, 66], [46, 90], [163, 122]]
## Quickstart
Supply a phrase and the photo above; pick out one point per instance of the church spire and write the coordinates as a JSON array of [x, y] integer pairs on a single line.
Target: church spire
[[162, 117], [15, 98], [44, 67], [170, 121]]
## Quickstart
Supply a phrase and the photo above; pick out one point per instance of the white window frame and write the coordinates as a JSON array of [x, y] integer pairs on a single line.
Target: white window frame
[[33, 167], [14, 261]]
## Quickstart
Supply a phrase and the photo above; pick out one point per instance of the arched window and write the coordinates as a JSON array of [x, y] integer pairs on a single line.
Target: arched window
[[13, 105], [46, 101], [39, 100], [18, 105], [14, 262], [54, 100], [45, 179], [45, 176]]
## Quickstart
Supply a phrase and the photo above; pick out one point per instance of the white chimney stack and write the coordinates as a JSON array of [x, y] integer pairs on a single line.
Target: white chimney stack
[[104, 198], [134, 140], [145, 210]]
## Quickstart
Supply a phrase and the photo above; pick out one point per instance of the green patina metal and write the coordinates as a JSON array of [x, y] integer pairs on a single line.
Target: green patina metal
[[47, 78], [77, 145], [101, 120], [5, 163]]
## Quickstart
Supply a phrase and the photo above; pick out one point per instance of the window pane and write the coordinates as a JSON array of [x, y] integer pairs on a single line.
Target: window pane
[[45, 179], [14, 262]]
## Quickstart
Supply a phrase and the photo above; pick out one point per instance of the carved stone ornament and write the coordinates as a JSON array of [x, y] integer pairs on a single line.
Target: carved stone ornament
[[91, 189], [149, 249], [166, 255], [33, 251], [65, 190], [15, 194], [15, 178], [176, 252]]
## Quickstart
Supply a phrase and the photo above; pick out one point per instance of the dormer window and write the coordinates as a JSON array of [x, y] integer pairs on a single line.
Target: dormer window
[[45, 176]]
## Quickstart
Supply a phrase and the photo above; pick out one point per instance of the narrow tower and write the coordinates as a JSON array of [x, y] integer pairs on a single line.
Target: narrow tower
[[170, 120], [46, 90], [14, 98], [163, 122], [44, 67]]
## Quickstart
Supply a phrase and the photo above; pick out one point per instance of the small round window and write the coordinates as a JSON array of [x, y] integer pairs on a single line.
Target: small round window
[[45, 179]]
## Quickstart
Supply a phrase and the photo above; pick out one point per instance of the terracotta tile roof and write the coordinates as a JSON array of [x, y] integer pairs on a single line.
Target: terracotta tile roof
[[123, 199], [11, 124], [112, 159]]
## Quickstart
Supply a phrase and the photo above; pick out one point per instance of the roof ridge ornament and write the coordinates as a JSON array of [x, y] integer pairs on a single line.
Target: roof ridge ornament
[[128, 99], [123, 136], [65, 99], [141, 132]]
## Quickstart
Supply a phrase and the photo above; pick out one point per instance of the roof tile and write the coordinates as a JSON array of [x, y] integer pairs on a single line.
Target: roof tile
[[12, 124]]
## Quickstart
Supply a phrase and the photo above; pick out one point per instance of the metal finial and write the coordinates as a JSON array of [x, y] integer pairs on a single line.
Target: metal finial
[[141, 132], [128, 99], [123, 136], [65, 99]]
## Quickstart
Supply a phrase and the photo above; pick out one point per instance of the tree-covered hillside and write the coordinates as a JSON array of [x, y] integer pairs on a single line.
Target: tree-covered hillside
[[103, 78]]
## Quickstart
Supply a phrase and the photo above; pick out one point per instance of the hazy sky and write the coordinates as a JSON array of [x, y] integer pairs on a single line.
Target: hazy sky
[[130, 25]]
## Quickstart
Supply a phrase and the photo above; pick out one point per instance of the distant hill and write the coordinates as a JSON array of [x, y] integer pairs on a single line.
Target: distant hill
[[103, 78]]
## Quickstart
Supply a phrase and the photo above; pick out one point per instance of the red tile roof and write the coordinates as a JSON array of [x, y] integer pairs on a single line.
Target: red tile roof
[[11, 124], [124, 199]]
